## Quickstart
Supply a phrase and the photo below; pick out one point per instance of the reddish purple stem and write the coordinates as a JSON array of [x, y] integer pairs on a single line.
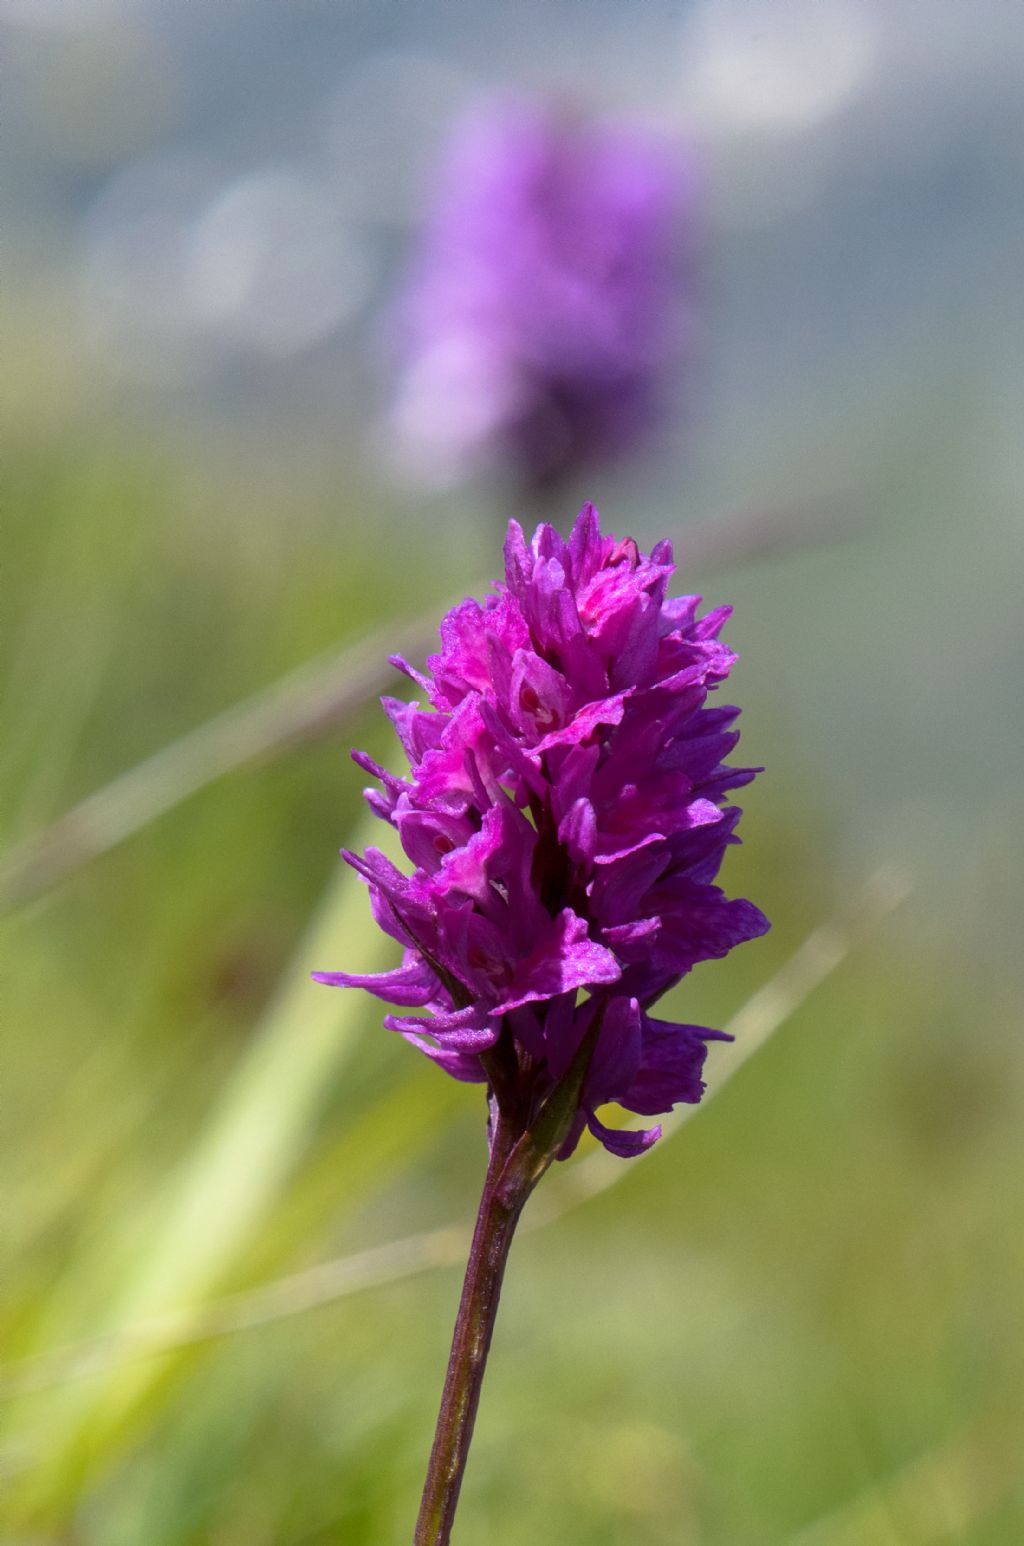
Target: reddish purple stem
[[492, 1239]]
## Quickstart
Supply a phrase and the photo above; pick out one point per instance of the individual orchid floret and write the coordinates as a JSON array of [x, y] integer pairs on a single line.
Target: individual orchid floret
[[548, 299], [565, 816]]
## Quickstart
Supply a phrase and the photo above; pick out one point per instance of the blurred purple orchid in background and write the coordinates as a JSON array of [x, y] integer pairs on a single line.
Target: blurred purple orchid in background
[[548, 298]]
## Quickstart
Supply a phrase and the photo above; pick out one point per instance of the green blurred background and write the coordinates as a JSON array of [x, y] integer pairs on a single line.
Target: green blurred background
[[797, 1321]]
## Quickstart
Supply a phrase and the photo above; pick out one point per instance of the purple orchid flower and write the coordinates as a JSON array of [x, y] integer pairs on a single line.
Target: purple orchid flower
[[565, 818]]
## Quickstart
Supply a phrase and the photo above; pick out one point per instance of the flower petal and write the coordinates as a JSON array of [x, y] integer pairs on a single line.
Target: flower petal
[[460, 1065], [567, 958], [625, 1142], [413, 983]]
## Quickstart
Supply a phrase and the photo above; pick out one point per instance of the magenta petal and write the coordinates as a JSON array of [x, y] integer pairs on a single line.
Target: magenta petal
[[624, 936], [567, 959], [538, 696], [616, 1057], [624, 1142], [427, 836], [575, 776], [460, 1065], [464, 1030], [411, 984], [401, 664], [670, 1064], [585, 545], [586, 721], [577, 833]]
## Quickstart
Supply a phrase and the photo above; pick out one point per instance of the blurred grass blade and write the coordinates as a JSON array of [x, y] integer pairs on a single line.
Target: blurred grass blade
[[307, 703], [824, 949], [284, 1297], [940, 1497], [213, 1207], [299, 706]]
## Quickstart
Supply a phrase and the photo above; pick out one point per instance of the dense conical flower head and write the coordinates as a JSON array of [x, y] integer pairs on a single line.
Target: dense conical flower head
[[564, 817], [549, 294]]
